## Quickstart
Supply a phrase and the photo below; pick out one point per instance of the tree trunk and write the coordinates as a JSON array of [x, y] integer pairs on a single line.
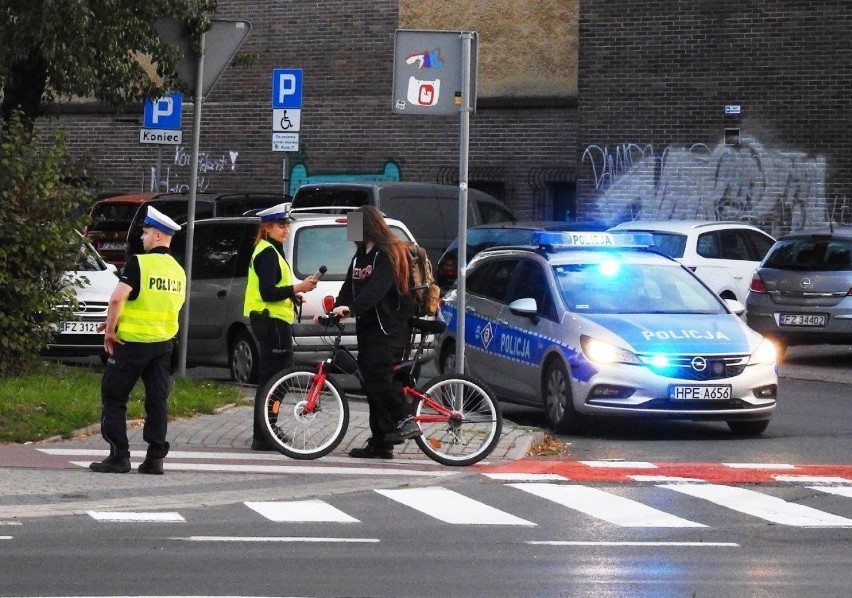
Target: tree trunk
[[24, 87]]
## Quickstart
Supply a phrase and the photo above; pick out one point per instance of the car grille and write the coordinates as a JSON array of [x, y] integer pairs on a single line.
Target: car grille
[[91, 308], [688, 367]]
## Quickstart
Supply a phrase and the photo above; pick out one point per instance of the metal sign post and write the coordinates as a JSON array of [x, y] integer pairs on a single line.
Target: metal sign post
[[464, 142], [435, 74], [200, 73]]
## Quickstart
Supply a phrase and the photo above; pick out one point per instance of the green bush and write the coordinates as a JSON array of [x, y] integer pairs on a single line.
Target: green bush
[[42, 205]]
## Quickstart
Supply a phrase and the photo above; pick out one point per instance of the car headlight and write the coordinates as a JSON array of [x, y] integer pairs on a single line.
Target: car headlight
[[603, 352], [765, 353]]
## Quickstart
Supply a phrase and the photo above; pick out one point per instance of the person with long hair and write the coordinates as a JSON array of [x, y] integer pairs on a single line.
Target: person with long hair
[[376, 292], [270, 305]]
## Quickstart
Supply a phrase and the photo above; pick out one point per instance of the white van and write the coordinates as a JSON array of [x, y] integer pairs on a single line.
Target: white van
[[218, 333], [430, 210]]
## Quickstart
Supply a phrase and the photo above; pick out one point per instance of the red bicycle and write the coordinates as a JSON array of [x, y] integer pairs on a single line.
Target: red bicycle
[[307, 411]]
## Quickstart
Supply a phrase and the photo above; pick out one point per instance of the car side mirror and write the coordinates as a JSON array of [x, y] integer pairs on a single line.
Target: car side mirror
[[735, 306], [525, 307]]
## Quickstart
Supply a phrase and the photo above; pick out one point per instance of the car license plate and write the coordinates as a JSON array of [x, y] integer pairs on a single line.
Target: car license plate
[[79, 328], [700, 393], [815, 320], [112, 246]]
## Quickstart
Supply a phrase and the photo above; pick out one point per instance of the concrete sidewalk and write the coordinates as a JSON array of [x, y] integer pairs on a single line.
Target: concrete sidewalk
[[231, 428]]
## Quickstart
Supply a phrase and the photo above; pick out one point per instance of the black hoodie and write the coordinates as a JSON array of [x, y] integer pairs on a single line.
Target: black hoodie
[[370, 292]]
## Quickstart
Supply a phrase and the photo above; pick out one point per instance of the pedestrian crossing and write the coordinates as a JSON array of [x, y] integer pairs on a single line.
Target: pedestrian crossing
[[615, 507]]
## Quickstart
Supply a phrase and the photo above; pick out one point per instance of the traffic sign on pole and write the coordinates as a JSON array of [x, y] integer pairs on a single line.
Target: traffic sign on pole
[[221, 43], [287, 88]]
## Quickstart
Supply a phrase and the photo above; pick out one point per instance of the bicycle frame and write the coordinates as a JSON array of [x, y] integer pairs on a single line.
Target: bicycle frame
[[445, 414]]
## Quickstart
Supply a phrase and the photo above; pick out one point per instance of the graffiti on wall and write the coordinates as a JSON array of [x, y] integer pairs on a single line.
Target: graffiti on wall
[[299, 176], [779, 190], [174, 177]]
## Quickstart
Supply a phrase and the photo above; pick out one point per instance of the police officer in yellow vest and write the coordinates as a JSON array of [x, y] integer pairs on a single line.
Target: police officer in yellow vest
[[139, 332], [270, 304]]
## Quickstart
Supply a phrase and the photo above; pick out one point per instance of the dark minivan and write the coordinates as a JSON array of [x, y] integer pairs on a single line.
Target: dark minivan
[[429, 210], [207, 205]]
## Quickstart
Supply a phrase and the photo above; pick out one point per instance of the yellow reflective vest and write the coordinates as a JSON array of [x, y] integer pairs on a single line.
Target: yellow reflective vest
[[283, 310], [153, 316]]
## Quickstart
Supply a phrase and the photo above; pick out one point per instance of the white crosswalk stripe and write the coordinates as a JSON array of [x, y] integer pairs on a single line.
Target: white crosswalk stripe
[[604, 505], [761, 505], [300, 510], [452, 507], [838, 490]]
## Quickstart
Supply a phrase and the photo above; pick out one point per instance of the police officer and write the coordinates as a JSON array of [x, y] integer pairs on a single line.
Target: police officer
[[270, 304], [139, 332]]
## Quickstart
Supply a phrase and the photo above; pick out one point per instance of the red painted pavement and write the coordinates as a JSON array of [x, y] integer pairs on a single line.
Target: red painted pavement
[[710, 472]]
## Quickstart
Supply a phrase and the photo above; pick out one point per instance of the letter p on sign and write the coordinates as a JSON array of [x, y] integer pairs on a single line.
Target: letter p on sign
[[163, 113], [287, 88]]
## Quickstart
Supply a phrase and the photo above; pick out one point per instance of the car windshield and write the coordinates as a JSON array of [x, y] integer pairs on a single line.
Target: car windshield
[[323, 198], [670, 244], [611, 286], [813, 255], [112, 216], [88, 260], [483, 238], [315, 246]]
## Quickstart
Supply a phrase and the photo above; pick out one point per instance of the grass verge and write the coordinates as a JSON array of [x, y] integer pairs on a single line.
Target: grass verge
[[56, 400]]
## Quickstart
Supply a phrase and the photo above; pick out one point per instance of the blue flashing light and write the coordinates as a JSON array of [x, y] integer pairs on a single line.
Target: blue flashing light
[[660, 361], [579, 239], [609, 268]]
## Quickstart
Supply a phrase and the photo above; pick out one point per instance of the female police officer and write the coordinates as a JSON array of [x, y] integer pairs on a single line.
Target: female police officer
[[142, 321], [270, 304]]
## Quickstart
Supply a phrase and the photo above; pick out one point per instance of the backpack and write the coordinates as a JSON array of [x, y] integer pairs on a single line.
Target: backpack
[[420, 278]]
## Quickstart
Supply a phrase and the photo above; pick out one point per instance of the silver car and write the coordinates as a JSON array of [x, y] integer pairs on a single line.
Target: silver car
[[596, 324], [802, 292]]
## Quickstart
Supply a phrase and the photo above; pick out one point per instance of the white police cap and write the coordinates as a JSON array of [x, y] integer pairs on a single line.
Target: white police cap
[[279, 213], [160, 221]]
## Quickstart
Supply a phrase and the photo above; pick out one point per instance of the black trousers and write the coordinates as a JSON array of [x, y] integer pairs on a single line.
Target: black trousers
[[129, 362], [276, 354], [377, 356]]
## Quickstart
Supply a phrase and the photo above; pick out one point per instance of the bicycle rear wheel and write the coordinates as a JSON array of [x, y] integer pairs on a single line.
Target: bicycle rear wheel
[[296, 433], [464, 440]]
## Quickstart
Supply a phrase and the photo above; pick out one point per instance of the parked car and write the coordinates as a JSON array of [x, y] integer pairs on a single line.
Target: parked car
[[494, 235], [722, 254], [802, 292], [218, 333], [80, 337], [430, 210], [109, 221], [584, 325], [207, 205]]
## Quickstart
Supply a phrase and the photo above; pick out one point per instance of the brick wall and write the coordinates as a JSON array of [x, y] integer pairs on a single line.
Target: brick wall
[[345, 48], [654, 79]]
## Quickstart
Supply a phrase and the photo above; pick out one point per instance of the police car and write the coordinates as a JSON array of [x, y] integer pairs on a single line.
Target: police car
[[591, 324]]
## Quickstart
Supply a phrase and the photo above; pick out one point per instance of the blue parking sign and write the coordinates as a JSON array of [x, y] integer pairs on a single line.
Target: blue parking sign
[[287, 88], [163, 113]]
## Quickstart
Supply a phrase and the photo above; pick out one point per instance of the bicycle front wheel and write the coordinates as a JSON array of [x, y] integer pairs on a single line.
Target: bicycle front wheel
[[294, 430], [466, 437]]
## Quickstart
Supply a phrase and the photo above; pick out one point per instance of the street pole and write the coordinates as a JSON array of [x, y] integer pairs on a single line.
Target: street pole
[[190, 214], [464, 141]]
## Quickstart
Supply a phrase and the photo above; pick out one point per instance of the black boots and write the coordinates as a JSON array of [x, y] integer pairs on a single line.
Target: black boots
[[151, 466], [111, 465]]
